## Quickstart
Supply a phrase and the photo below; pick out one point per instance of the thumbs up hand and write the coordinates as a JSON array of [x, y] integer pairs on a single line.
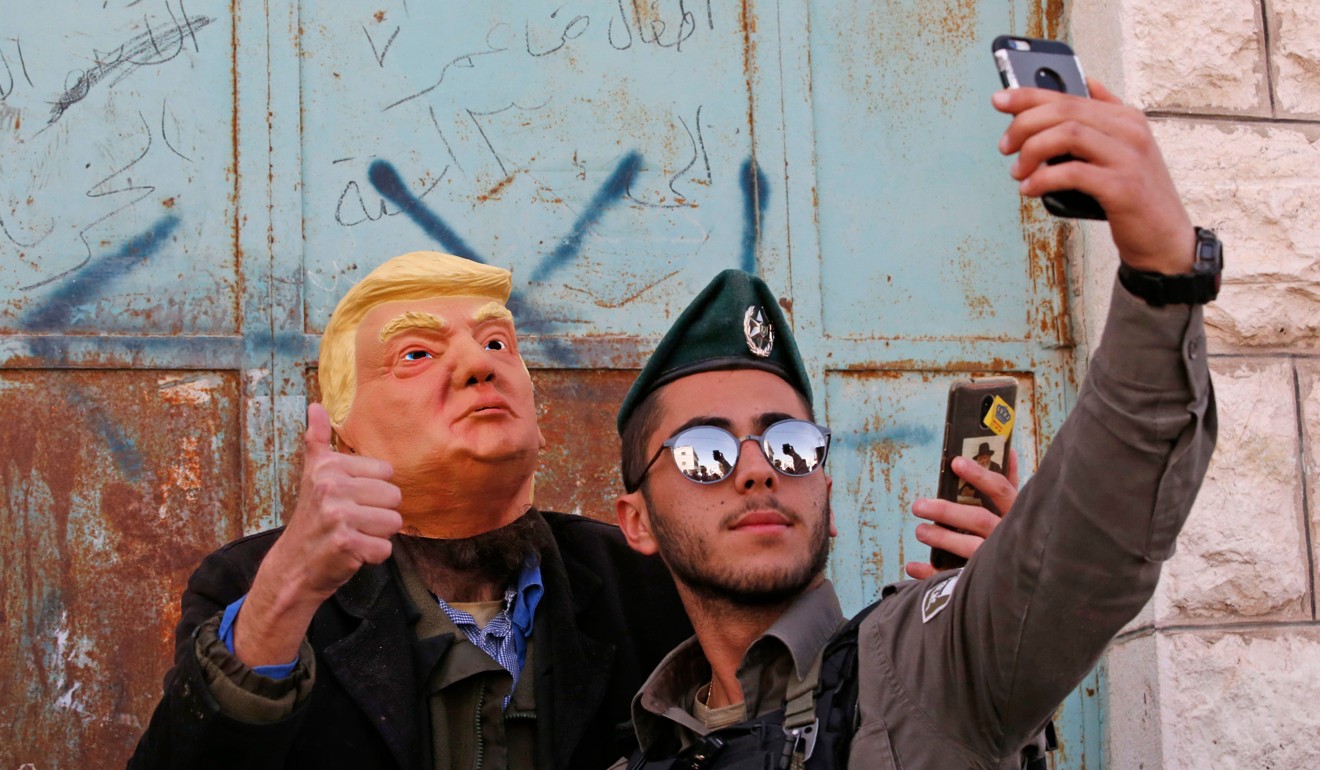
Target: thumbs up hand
[[345, 514], [344, 517]]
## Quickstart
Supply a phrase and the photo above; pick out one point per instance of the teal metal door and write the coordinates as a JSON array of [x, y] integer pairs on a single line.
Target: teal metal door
[[186, 188]]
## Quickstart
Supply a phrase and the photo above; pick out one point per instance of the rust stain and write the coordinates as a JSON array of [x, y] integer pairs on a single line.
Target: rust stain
[[747, 21], [957, 22], [632, 297], [233, 166], [1045, 19], [168, 202], [498, 188], [118, 483], [379, 16], [575, 410], [647, 14], [905, 366], [1046, 239]]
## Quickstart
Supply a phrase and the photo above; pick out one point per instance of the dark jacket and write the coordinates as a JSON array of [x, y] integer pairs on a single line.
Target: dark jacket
[[607, 617]]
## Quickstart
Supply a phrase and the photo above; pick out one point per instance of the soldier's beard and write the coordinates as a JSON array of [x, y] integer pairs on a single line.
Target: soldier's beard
[[689, 556]]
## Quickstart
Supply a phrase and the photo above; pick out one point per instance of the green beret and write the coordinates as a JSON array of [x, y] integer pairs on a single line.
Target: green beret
[[734, 323]]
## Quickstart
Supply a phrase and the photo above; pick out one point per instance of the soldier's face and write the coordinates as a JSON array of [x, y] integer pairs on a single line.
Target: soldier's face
[[440, 383], [756, 537]]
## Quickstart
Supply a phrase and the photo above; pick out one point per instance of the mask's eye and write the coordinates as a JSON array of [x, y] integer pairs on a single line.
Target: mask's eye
[[496, 345], [416, 355]]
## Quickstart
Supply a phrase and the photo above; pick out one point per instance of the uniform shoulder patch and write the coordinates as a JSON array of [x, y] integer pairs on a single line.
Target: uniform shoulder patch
[[938, 597]]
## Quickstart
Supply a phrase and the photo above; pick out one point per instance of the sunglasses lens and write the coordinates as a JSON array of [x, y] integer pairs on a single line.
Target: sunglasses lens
[[705, 454], [795, 447]]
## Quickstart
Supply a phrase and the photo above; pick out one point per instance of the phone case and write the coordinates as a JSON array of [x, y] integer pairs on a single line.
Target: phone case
[[966, 434], [1026, 62]]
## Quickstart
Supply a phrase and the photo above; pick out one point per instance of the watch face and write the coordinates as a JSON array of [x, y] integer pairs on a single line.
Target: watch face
[[1209, 254]]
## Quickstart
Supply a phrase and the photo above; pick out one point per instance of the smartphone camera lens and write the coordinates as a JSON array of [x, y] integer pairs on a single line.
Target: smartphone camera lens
[[1049, 79]]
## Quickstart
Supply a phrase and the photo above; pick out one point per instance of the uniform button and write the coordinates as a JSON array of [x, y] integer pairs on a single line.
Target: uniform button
[[1194, 348]]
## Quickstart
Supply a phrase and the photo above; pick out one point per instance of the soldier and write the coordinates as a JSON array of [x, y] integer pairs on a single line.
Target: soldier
[[961, 669]]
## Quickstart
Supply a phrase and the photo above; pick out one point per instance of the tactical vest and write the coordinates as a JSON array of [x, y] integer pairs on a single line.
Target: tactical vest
[[813, 731]]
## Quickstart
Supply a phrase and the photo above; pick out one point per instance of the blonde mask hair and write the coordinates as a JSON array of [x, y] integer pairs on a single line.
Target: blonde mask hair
[[416, 275]]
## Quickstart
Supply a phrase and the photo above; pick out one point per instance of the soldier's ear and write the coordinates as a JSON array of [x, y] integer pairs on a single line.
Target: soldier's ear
[[635, 522]]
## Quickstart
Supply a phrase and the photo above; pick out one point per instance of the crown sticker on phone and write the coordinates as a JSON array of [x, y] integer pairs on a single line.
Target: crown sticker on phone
[[999, 417]]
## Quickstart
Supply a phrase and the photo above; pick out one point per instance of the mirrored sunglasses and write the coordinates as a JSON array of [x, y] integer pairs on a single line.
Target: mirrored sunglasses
[[707, 454]]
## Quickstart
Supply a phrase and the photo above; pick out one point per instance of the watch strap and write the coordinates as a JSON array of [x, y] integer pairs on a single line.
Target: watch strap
[[1195, 288]]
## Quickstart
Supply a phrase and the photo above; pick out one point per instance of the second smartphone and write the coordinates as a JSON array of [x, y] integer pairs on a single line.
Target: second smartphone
[[978, 425]]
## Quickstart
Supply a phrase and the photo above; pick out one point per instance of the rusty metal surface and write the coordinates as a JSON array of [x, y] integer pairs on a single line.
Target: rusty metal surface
[[580, 464], [115, 484]]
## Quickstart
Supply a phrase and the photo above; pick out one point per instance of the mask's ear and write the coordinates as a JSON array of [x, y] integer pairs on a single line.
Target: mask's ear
[[635, 522], [339, 441]]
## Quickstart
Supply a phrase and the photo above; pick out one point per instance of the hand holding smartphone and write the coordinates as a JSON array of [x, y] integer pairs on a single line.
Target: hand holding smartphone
[[978, 425], [1026, 62]]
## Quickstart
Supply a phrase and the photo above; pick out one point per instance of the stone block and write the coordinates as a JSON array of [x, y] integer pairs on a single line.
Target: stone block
[[1308, 380], [1239, 700], [1211, 699], [1295, 39], [1242, 554], [1136, 733], [1201, 57], [1257, 186]]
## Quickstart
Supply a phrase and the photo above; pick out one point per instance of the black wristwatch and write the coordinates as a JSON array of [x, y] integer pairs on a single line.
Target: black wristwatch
[[1196, 288]]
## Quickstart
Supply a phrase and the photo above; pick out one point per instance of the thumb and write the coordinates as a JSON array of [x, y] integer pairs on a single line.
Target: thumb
[[318, 428]]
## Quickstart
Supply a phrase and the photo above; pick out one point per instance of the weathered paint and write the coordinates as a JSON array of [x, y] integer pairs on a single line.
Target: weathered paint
[[165, 271], [115, 484]]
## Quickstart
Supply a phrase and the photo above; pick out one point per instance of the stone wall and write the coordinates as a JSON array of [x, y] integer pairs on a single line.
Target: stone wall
[[1222, 670]]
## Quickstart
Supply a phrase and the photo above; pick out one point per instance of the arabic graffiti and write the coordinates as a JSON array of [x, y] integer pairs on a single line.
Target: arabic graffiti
[[78, 185], [147, 49]]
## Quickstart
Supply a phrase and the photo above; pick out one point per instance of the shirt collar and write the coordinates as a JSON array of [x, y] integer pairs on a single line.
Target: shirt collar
[[801, 631], [527, 595], [805, 627]]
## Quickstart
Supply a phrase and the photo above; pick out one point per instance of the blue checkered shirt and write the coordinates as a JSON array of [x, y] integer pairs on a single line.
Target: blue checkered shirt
[[505, 637]]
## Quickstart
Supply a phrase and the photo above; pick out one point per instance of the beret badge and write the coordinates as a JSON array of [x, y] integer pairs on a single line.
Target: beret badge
[[759, 332]]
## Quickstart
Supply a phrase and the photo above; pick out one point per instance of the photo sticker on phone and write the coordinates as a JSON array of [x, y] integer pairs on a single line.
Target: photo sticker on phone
[[987, 452]]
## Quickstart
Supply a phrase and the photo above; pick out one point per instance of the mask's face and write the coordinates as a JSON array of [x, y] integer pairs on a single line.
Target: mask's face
[[440, 385]]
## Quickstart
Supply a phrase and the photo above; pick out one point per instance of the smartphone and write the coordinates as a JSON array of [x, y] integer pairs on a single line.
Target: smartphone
[[1026, 62], [978, 425]]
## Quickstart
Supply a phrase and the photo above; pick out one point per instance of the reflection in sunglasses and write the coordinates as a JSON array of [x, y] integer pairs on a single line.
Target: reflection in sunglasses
[[707, 454]]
